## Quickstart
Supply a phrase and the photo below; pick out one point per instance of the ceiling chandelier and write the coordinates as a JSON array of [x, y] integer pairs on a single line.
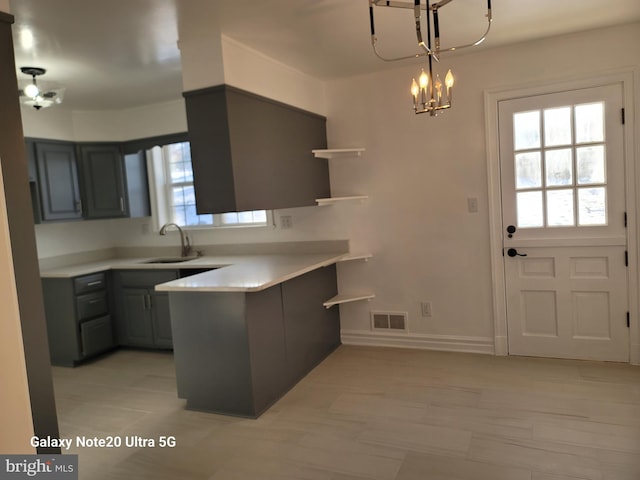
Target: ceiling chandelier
[[38, 96], [428, 93]]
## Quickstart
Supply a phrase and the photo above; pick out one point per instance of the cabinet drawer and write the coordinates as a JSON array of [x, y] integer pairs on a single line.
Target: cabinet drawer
[[97, 335], [146, 278], [91, 305], [89, 283]]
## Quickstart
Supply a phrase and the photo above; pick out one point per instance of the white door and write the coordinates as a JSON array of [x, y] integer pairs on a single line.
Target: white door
[[564, 224]]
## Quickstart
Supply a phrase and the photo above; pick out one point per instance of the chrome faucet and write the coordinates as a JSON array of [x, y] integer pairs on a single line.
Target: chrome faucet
[[184, 239]]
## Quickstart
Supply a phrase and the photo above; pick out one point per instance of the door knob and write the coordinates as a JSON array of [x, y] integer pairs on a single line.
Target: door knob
[[512, 252]]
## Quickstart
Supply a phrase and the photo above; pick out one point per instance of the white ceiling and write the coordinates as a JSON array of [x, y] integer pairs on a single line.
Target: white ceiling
[[123, 53]]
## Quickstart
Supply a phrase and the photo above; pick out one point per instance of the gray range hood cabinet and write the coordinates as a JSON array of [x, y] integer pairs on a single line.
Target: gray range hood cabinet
[[253, 153]]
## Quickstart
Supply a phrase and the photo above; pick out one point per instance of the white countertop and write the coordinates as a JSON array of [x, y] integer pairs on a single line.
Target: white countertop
[[233, 273]]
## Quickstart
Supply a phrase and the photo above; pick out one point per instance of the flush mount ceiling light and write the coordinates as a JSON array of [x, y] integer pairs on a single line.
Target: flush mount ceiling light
[[39, 96], [428, 93]]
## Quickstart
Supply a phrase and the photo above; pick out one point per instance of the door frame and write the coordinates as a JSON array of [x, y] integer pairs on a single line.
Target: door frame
[[632, 184]]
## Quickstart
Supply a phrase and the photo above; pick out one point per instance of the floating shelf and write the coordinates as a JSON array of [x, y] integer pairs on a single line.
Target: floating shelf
[[355, 256], [331, 200], [338, 152], [347, 298]]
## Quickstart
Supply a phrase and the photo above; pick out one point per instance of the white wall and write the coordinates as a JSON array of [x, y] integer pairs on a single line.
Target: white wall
[[250, 70], [420, 171]]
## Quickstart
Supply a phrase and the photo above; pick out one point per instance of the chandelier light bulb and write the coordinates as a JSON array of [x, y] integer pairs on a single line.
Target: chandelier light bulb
[[449, 80], [414, 88], [424, 80], [31, 90]]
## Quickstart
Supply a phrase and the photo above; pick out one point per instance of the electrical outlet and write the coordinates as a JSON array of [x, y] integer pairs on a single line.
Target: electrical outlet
[[426, 309], [286, 221]]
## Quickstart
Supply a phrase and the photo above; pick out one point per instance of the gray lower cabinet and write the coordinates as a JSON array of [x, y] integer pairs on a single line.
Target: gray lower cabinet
[[57, 180], [236, 353], [78, 317], [143, 318]]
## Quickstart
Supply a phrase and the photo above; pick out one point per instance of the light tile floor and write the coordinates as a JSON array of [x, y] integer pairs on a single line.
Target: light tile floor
[[367, 413]]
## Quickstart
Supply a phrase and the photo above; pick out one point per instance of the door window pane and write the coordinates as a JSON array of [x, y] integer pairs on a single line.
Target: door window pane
[[592, 206], [590, 122], [529, 205], [591, 165], [559, 167], [561, 183], [526, 129], [560, 208], [557, 126], [528, 170]]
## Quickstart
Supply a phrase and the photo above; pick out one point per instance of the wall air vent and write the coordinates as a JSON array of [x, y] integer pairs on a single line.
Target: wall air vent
[[389, 321]]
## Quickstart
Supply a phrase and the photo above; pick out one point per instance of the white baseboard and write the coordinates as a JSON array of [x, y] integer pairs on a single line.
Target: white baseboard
[[449, 343]]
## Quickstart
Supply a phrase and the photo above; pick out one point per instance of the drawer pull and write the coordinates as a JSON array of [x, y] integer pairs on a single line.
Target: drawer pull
[[92, 284], [97, 300]]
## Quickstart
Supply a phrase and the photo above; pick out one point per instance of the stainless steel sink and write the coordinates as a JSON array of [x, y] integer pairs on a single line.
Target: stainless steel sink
[[170, 260]]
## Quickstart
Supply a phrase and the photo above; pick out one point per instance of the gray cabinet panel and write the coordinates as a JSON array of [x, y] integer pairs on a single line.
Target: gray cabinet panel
[[91, 305], [161, 320], [89, 283], [136, 317], [97, 335], [102, 172], [266, 336], [58, 181], [312, 330], [211, 352], [252, 153], [143, 317]]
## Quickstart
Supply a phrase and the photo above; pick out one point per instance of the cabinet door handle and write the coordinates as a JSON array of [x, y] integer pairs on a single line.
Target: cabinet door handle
[[122, 204], [147, 301]]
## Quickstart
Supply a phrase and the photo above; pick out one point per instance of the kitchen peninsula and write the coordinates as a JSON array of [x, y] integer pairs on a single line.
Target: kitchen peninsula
[[243, 335]]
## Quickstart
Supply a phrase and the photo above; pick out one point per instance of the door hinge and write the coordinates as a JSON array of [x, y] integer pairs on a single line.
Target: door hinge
[[626, 258], [628, 320], [622, 110], [625, 219]]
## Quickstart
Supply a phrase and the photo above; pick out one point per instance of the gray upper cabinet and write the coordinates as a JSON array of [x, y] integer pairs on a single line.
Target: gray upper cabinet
[[103, 181], [58, 181], [71, 181], [137, 185], [252, 153]]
